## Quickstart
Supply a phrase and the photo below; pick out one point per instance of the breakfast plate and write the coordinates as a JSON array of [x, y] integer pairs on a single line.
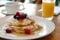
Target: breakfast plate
[[47, 28]]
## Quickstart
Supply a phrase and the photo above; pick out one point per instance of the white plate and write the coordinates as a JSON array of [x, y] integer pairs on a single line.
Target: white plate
[[48, 27]]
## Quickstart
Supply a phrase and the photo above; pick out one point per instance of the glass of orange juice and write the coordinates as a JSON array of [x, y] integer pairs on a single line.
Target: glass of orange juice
[[48, 8]]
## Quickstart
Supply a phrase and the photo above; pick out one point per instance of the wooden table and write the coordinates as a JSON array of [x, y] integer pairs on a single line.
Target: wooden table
[[53, 36]]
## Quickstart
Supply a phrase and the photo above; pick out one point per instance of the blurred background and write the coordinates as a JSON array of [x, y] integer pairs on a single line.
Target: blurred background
[[30, 1]]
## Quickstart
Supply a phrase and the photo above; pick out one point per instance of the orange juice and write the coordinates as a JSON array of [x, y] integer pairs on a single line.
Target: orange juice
[[48, 9]]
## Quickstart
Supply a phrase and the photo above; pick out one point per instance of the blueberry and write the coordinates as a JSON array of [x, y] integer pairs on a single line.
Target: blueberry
[[25, 15], [16, 17]]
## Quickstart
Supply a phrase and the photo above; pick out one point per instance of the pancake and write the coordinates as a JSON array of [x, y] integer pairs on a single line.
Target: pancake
[[20, 22], [20, 25]]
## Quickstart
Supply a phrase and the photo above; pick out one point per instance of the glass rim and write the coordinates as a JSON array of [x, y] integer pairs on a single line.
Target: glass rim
[[48, 1]]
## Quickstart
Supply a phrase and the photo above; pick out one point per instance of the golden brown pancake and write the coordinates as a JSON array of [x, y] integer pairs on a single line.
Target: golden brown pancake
[[20, 25]]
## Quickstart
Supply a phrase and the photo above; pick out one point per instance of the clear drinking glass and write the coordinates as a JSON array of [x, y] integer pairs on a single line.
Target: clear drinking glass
[[48, 8]]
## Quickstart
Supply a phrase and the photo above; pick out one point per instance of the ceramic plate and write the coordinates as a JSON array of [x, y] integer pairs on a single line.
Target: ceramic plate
[[48, 27]]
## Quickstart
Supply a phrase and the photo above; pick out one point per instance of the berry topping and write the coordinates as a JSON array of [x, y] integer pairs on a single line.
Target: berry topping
[[16, 17], [18, 13], [27, 31], [8, 31], [25, 15], [22, 15]]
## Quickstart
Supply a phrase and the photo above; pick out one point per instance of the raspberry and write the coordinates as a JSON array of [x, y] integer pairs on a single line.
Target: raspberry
[[27, 31], [23, 15], [8, 31], [18, 13]]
